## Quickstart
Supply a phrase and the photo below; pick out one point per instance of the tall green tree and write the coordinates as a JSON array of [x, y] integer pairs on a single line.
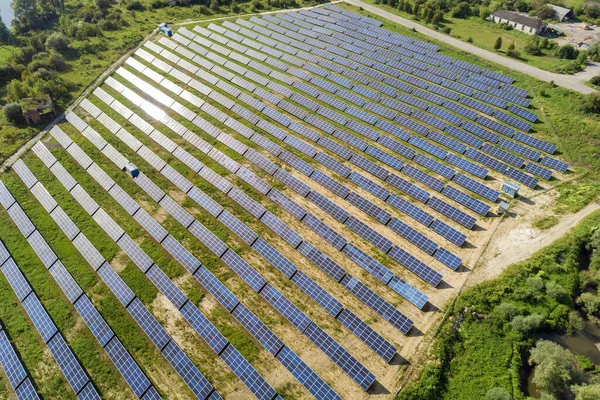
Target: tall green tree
[[498, 44]]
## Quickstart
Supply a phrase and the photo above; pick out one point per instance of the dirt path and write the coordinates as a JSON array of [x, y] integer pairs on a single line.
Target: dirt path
[[573, 82], [519, 242]]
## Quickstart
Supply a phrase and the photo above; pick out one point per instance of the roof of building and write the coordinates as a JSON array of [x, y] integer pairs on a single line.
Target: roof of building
[[560, 12], [42, 104], [519, 18]]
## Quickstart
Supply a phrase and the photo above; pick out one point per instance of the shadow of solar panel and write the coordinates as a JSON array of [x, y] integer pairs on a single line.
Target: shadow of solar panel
[[476, 187], [357, 372], [257, 329], [538, 171], [413, 236], [522, 177], [376, 342], [486, 160], [377, 304], [452, 212], [285, 307], [369, 264], [535, 142], [94, 320]]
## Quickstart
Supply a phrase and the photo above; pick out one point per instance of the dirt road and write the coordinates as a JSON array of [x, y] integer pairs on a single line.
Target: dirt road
[[573, 82], [517, 242]]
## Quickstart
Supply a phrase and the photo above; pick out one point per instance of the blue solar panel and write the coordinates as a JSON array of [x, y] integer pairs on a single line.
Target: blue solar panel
[[328, 206], [408, 188], [435, 166], [413, 236], [247, 374], [26, 391], [486, 160], [520, 149], [39, 317], [376, 342], [244, 270], [538, 171], [187, 370], [503, 155], [447, 258], [277, 259], [285, 307], [522, 177], [448, 142], [410, 209], [464, 136], [306, 376], [377, 304], [467, 166], [555, 164], [365, 261], [535, 142], [479, 131], [452, 212], [9, 360], [257, 329], [476, 187], [94, 320], [325, 231], [369, 234], [466, 200], [448, 232], [67, 362], [322, 261], [317, 293], [369, 185], [422, 177], [397, 147], [340, 356]]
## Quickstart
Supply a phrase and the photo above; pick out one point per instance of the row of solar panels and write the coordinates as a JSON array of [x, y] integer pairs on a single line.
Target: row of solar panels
[[306, 191], [455, 261], [520, 147], [228, 353], [111, 344], [251, 205], [259, 283], [318, 17], [9, 359], [289, 269], [384, 56], [157, 334], [344, 137], [524, 138]]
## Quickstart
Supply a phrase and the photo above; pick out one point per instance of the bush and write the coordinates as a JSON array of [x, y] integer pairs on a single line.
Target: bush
[[13, 112], [526, 324], [513, 53], [57, 41], [595, 80], [214, 5], [446, 30], [461, 10], [498, 393], [567, 52], [533, 46], [592, 103]]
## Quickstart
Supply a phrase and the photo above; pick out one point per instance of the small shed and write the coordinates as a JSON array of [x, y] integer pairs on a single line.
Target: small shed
[[510, 189], [164, 28], [131, 169], [502, 207], [36, 109]]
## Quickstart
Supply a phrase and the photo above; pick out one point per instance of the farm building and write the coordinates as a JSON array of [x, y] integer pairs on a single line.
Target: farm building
[[523, 23], [561, 14], [37, 108]]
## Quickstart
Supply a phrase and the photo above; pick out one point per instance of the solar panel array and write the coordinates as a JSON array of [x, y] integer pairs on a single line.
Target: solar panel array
[[310, 98]]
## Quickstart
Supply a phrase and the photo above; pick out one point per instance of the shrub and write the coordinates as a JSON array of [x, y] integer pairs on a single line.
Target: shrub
[[513, 53], [498, 393], [533, 46], [57, 41], [498, 44], [214, 5], [507, 311], [567, 52], [461, 10], [526, 324], [446, 30], [595, 80], [592, 103], [13, 112]]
